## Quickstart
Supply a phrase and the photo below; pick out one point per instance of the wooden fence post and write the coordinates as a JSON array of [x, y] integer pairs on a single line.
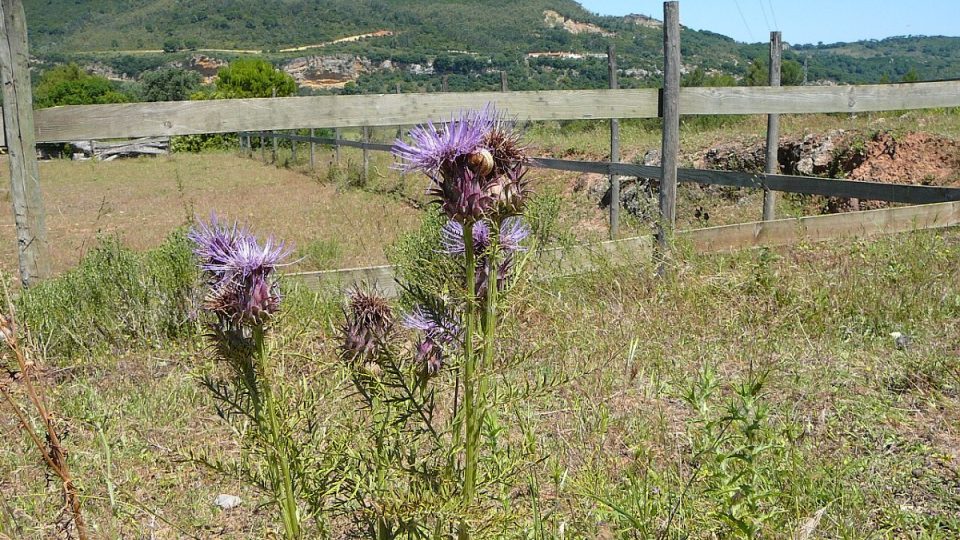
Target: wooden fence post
[[313, 163], [336, 145], [293, 149], [28, 212], [273, 134], [263, 146], [503, 82], [772, 165], [366, 154], [614, 148], [403, 175], [670, 105], [444, 83]]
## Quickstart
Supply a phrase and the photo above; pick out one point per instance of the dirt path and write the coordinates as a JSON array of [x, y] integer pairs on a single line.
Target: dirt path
[[347, 39]]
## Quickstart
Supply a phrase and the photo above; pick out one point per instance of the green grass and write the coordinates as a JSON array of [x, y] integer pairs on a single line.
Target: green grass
[[646, 374], [638, 395]]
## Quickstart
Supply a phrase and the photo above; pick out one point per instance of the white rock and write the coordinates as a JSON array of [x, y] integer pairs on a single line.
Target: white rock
[[227, 502]]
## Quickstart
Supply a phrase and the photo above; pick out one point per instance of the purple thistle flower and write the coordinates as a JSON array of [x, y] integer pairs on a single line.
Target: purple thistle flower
[[512, 234], [463, 194], [441, 327], [433, 147], [240, 270], [439, 332], [429, 355]]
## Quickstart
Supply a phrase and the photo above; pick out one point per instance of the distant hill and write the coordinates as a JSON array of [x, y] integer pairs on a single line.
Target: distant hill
[[372, 45]]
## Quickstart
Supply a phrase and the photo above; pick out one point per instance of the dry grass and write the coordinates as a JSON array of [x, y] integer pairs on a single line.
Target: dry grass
[[142, 200]]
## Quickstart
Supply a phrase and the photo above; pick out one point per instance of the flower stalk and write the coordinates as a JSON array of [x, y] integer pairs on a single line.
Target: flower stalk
[[279, 462], [471, 413], [243, 296], [477, 167]]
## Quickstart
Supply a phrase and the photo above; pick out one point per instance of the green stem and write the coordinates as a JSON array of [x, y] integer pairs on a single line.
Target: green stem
[[469, 365], [277, 456]]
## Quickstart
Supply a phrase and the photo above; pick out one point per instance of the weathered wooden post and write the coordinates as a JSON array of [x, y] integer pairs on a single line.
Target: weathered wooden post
[[28, 212], [614, 148], [263, 146], [445, 83], [366, 153], [273, 135], [670, 106], [293, 148], [503, 82], [772, 165], [336, 145], [313, 149], [403, 176]]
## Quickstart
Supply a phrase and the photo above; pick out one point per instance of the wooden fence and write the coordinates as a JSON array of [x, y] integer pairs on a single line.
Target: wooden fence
[[90, 122], [129, 120], [724, 238], [828, 187]]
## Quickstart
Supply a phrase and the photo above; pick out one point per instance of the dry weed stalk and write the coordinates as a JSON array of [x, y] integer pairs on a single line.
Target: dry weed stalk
[[52, 450]]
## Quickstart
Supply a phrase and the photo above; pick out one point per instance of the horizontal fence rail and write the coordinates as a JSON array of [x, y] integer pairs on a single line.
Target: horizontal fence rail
[[809, 185], [725, 238], [81, 122]]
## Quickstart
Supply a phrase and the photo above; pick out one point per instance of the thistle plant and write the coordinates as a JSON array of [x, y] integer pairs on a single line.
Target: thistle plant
[[477, 168], [242, 298]]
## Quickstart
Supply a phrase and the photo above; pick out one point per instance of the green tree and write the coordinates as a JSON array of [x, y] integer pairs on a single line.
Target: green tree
[[699, 77], [169, 84], [70, 85], [252, 78], [911, 76], [758, 73]]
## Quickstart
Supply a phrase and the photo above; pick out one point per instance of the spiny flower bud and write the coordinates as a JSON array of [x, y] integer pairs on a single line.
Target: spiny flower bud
[[368, 322]]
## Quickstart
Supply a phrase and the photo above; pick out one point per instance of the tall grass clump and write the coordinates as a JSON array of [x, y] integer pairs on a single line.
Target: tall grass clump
[[114, 298]]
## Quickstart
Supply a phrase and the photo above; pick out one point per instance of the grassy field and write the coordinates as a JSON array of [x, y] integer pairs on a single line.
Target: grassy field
[[847, 427], [754, 391]]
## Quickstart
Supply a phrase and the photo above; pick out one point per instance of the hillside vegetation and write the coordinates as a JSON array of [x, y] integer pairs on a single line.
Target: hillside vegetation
[[415, 42]]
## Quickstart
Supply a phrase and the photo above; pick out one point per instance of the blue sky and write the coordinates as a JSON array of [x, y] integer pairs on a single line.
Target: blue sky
[[803, 21]]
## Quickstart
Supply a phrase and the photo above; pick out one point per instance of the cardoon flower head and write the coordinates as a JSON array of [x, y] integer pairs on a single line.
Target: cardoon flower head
[[439, 332], [475, 162], [366, 328], [512, 234], [435, 148], [240, 271]]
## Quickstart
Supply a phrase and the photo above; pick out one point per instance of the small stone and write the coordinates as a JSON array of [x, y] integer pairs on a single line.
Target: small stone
[[917, 473], [227, 502], [902, 341]]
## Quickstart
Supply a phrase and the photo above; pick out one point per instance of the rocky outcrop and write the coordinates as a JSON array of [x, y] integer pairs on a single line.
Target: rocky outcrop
[[643, 20], [883, 156], [206, 66], [330, 71], [556, 20]]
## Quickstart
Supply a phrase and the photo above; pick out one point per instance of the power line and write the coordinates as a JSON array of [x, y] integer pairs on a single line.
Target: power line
[[763, 10], [773, 13], [744, 19]]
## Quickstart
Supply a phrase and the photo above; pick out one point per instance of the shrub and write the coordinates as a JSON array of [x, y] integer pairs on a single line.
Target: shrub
[[114, 298]]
